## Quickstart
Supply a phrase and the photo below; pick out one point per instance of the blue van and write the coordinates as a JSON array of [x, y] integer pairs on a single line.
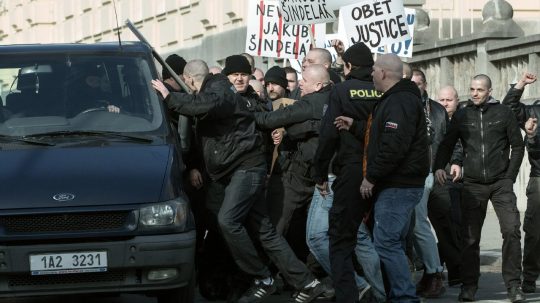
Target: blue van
[[90, 175]]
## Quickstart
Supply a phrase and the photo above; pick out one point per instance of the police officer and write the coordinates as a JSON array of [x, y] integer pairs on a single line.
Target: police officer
[[353, 99]]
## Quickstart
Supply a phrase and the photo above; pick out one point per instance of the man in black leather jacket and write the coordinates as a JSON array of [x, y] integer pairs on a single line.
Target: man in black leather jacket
[[531, 223], [488, 131], [444, 200], [234, 161]]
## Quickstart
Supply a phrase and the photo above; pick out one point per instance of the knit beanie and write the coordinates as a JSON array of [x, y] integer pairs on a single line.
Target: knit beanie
[[236, 64], [276, 75], [358, 55], [177, 64]]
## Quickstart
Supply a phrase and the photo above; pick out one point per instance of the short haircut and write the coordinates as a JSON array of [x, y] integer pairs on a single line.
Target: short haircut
[[198, 69], [484, 78], [407, 71], [417, 72], [324, 54], [290, 70], [391, 64]]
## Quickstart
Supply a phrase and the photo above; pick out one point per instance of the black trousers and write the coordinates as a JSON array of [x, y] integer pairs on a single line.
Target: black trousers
[[473, 210], [344, 219], [440, 215], [531, 227], [241, 207], [297, 195]]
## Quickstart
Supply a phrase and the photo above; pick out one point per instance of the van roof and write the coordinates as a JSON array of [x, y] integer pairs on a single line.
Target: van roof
[[101, 47]]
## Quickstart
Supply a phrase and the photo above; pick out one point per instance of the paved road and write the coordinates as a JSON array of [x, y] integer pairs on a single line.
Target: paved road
[[491, 287]]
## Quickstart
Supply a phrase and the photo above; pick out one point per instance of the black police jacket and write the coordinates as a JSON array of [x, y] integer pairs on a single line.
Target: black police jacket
[[353, 98], [398, 146], [523, 113], [487, 133], [226, 127], [302, 121]]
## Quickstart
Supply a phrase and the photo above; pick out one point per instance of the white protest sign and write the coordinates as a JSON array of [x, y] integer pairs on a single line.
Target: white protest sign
[[375, 22], [337, 4], [402, 48], [269, 36], [297, 65], [306, 11]]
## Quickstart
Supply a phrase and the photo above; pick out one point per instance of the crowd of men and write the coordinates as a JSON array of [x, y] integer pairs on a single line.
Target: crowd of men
[[342, 183]]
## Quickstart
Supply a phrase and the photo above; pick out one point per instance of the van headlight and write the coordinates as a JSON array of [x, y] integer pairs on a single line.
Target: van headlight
[[172, 214]]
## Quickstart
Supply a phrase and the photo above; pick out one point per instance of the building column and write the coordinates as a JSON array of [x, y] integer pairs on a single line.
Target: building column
[[447, 72]]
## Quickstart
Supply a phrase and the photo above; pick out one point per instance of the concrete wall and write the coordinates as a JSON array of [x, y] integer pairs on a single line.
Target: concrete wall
[[182, 25]]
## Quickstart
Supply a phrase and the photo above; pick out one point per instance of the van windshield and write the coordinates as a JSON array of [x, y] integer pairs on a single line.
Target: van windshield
[[77, 92]]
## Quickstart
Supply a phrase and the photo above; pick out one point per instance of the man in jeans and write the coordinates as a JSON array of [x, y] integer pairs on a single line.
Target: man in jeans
[[371, 286], [397, 166], [425, 244], [239, 168], [488, 131]]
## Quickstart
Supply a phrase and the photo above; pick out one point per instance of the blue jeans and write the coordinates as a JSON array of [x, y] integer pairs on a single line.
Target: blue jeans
[[393, 211], [425, 243], [318, 242]]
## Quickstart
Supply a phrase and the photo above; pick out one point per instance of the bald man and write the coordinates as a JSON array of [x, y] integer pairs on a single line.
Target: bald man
[[444, 201], [449, 99], [397, 165], [302, 121], [494, 149], [323, 57]]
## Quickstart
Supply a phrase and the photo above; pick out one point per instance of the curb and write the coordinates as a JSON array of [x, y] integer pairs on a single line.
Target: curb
[[490, 258]]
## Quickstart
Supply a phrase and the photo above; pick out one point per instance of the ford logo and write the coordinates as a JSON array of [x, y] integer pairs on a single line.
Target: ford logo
[[63, 197]]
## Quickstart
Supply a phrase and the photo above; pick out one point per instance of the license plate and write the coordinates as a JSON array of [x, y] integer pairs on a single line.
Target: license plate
[[67, 263]]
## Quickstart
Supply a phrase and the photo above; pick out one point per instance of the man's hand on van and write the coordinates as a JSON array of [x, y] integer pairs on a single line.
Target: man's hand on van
[[195, 178], [160, 87]]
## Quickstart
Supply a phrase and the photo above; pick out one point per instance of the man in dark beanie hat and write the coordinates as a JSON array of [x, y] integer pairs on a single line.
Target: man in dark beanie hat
[[275, 81], [238, 70], [342, 132], [358, 55], [177, 64], [236, 64]]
